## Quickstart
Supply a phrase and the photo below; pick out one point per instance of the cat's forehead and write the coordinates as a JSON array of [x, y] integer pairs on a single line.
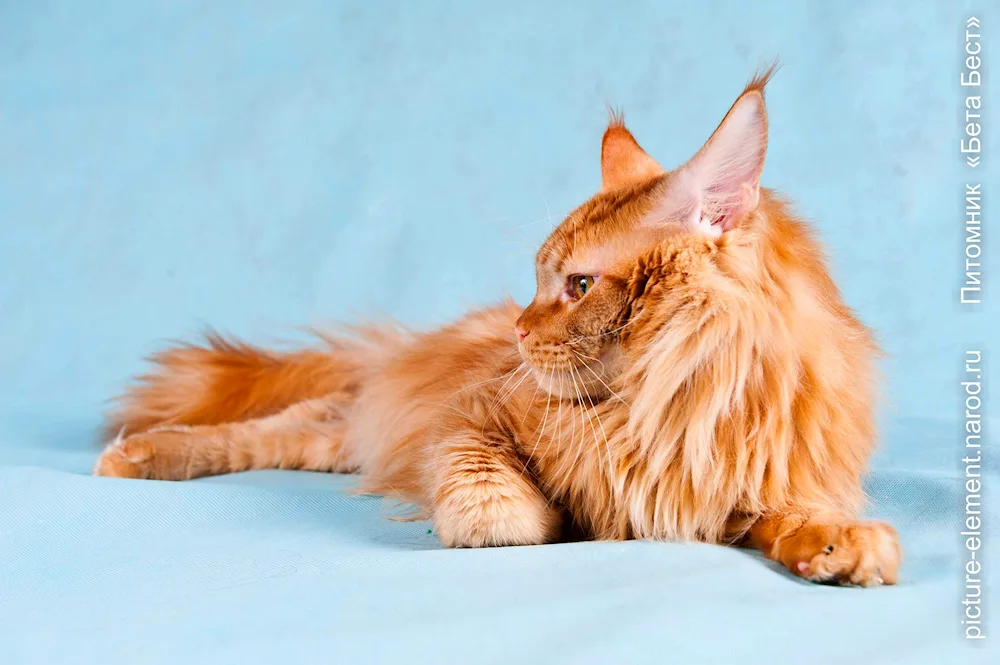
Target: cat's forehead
[[592, 231]]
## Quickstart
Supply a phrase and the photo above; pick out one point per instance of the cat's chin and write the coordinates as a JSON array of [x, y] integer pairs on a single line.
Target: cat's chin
[[590, 382]]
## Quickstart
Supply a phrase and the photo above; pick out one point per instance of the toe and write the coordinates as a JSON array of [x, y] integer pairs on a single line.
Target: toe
[[125, 459], [864, 554]]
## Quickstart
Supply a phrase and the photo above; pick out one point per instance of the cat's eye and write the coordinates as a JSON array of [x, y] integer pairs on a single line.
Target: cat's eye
[[579, 285]]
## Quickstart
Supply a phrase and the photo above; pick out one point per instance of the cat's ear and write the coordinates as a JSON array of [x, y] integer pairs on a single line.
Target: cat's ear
[[623, 162], [720, 185]]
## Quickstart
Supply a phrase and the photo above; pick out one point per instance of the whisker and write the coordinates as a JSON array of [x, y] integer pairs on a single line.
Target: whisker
[[548, 213], [531, 402], [583, 432], [566, 464], [537, 221], [580, 354], [506, 388], [480, 383], [607, 333], [502, 398], [607, 444], [603, 383], [512, 373], [607, 448], [580, 449], [559, 419], [545, 417], [621, 327]]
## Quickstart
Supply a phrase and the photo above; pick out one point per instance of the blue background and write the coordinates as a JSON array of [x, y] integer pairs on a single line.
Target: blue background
[[260, 166]]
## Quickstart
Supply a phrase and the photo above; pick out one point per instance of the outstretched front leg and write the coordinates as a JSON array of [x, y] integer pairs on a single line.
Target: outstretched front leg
[[481, 493], [308, 435], [829, 548]]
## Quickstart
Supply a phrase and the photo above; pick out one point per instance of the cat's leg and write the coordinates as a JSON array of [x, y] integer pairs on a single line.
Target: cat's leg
[[308, 435], [829, 548], [483, 497]]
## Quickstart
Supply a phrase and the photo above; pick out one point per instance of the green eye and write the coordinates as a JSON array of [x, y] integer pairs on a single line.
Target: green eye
[[579, 285]]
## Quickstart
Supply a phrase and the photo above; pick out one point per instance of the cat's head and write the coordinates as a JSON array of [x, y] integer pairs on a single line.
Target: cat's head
[[639, 240]]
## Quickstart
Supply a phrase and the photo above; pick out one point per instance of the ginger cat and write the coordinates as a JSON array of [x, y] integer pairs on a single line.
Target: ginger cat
[[686, 370]]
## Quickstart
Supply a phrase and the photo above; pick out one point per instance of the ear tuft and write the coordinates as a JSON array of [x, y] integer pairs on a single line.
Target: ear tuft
[[616, 117], [623, 161], [761, 78], [723, 179]]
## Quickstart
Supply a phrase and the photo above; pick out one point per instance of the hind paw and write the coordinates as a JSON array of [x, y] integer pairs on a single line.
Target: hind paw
[[141, 456]]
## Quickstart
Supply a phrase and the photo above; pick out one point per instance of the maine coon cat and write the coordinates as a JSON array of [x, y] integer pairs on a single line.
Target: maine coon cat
[[686, 370]]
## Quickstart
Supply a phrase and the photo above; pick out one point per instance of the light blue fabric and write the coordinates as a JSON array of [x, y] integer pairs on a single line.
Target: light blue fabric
[[258, 166]]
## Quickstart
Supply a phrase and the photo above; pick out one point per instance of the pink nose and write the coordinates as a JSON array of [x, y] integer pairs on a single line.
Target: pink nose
[[521, 333]]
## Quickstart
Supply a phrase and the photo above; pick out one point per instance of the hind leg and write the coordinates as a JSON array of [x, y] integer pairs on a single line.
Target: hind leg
[[308, 435]]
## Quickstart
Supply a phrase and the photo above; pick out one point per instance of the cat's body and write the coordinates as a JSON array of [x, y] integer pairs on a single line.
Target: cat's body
[[687, 370]]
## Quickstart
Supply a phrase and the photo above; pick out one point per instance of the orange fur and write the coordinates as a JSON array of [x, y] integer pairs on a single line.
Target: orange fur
[[704, 382], [225, 381]]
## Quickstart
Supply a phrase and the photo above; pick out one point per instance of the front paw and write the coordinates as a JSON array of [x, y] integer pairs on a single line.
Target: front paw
[[490, 514], [850, 553]]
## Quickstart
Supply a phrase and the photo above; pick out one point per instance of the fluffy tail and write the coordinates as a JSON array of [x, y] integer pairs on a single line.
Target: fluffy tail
[[224, 381]]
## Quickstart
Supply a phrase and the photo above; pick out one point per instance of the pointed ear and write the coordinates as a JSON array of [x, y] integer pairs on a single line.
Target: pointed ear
[[623, 162], [720, 185]]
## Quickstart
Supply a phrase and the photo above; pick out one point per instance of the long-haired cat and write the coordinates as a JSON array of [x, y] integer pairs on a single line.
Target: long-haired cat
[[686, 370]]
